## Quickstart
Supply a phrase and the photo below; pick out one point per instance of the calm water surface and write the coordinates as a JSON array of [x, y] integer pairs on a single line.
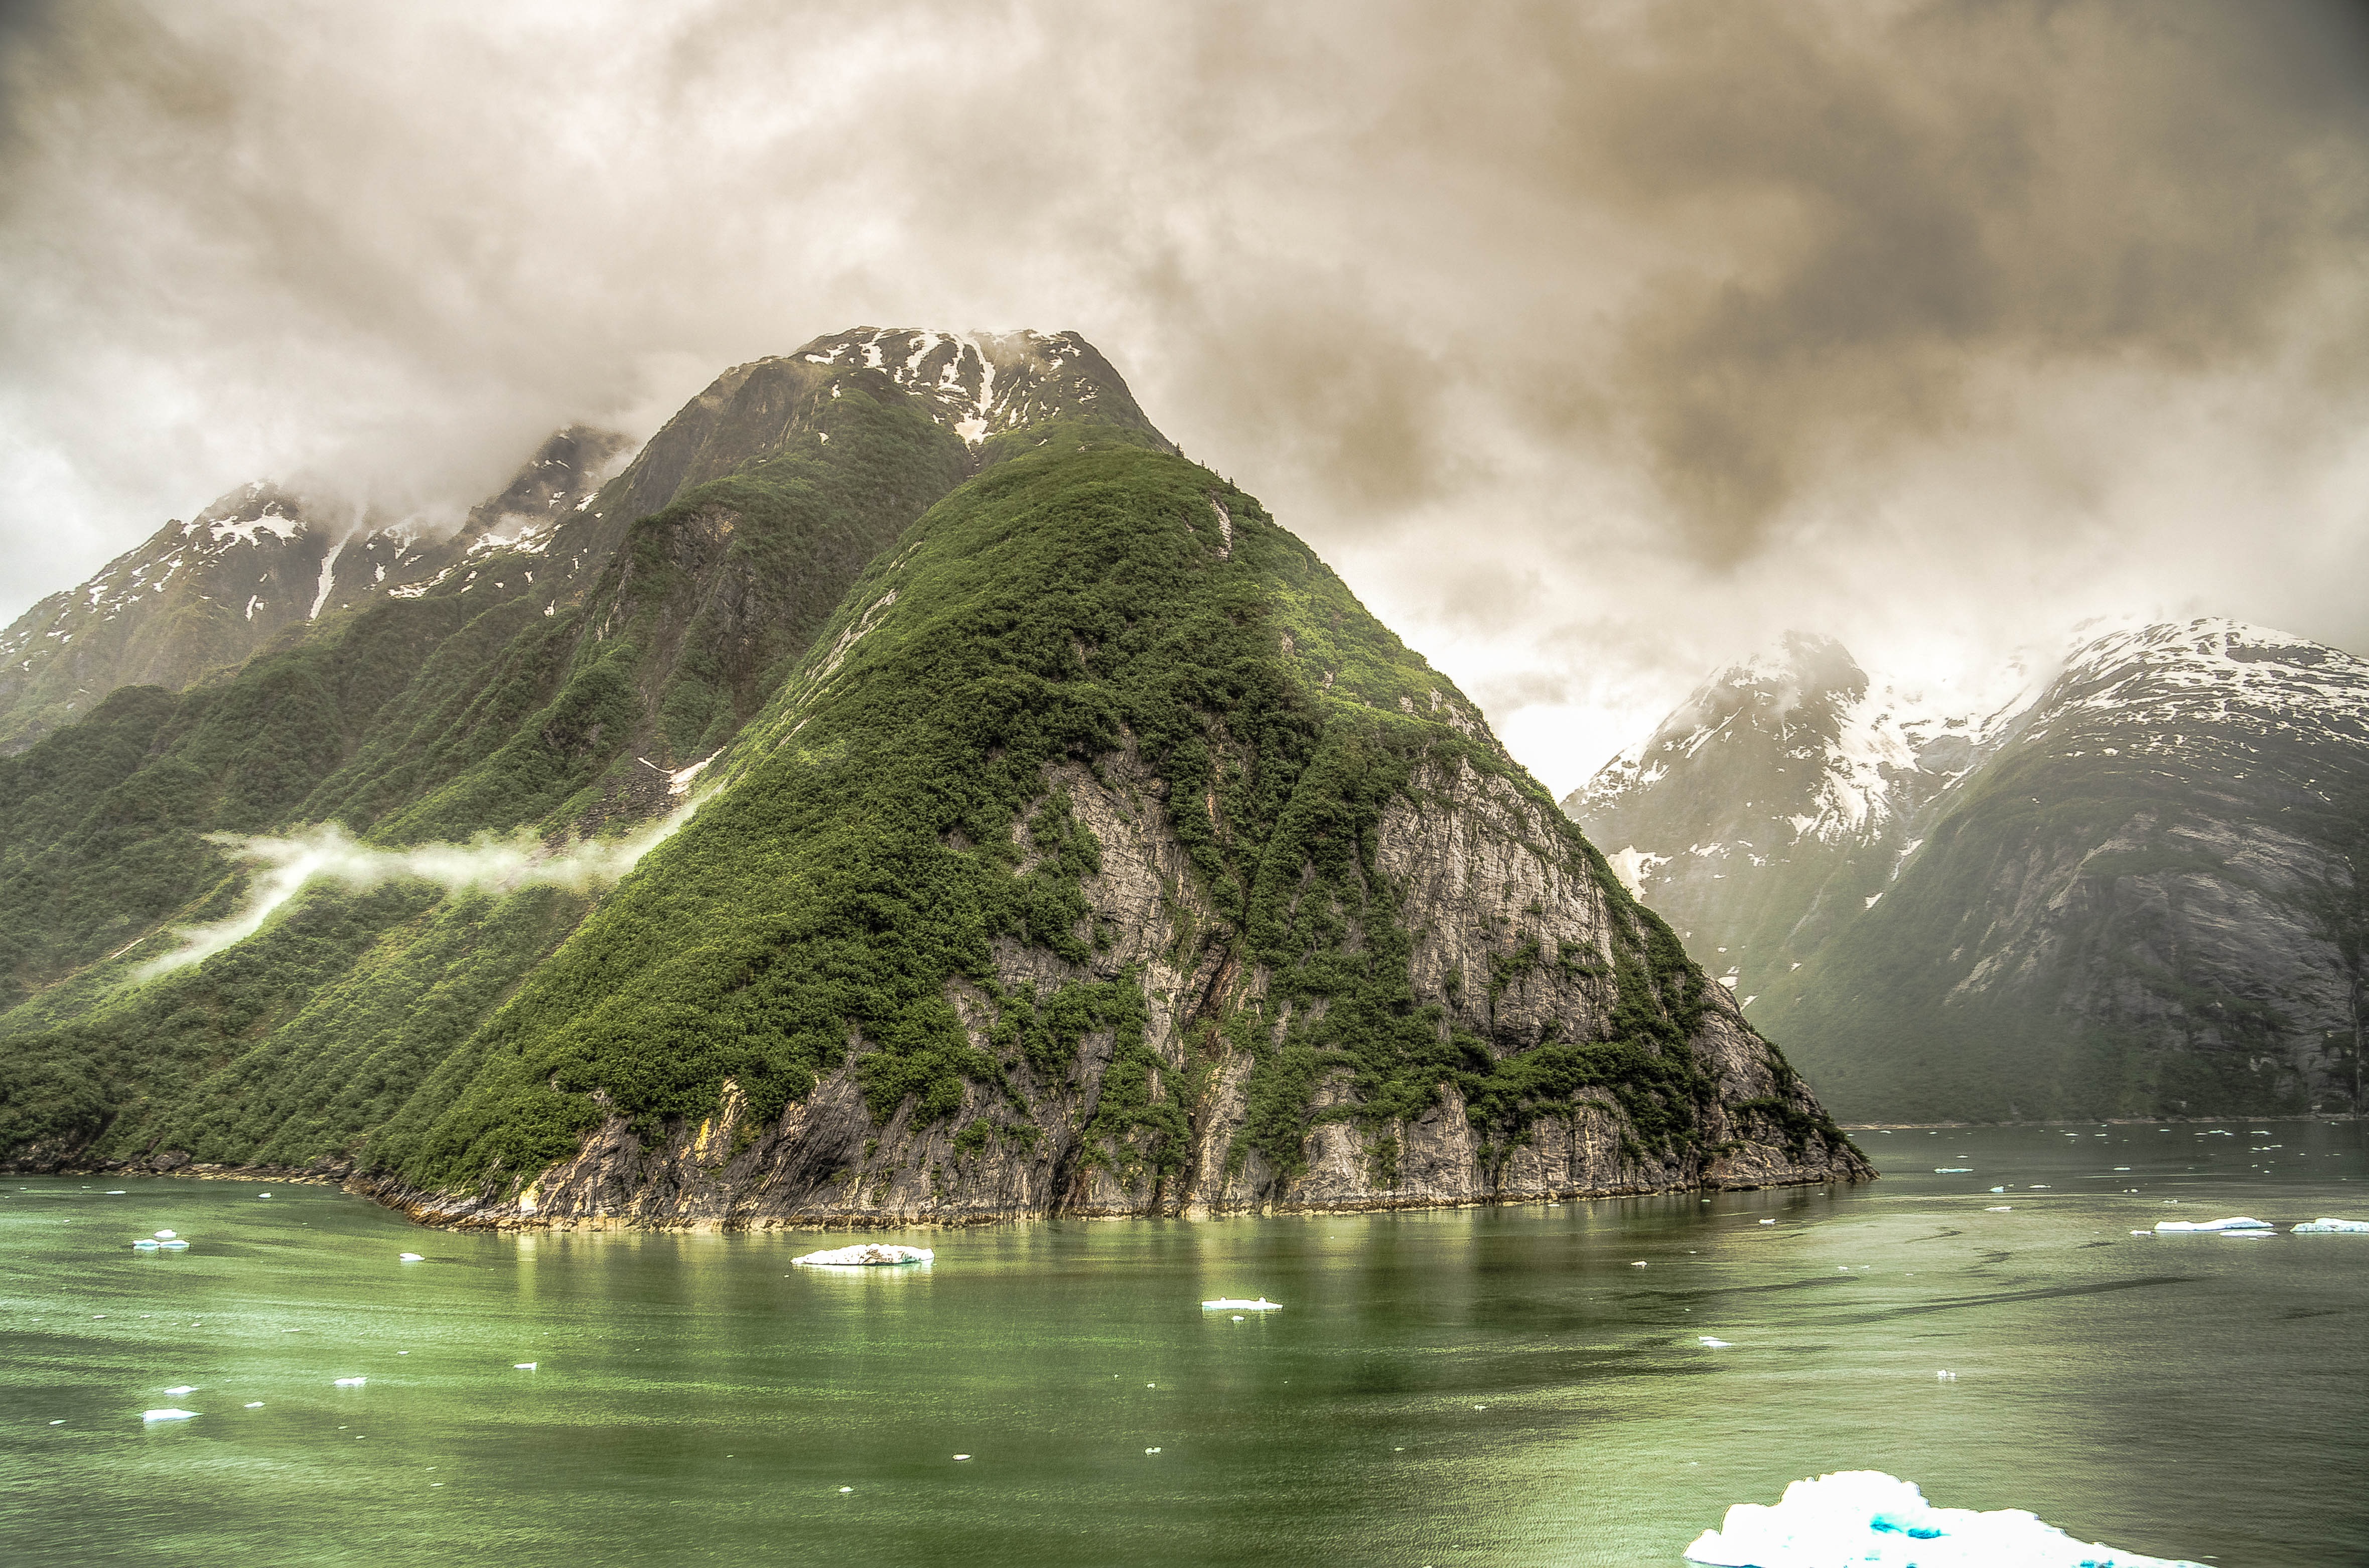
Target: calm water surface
[[1481, 1388]]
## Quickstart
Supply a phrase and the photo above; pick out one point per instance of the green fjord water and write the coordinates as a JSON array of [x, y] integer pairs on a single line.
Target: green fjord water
[[1493, 1387]]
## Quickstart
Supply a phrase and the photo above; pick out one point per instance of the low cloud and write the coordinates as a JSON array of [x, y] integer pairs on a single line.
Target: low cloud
[[328, 854]]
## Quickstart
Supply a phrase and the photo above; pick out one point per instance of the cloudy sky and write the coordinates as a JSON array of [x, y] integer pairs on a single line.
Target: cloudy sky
[[1593, 344]]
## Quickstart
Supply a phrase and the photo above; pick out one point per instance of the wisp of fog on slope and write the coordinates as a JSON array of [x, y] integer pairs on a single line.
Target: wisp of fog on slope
[[327, 851]]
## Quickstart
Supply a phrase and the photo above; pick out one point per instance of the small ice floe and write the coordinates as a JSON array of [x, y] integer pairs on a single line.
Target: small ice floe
[[2235, 1222], [1873, 1520], [408, 1257], [1714, 1343], [2324, 1226], [523, 1365], [167, 1415], [179, 1389], [352, 1382], [872, 1254], [1229, 1304]]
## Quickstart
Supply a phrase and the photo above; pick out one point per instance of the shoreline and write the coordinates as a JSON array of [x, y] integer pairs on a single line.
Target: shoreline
[[428, 1213]]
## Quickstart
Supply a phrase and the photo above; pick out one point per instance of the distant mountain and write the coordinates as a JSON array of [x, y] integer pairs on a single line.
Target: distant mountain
[[1068, 839], [2139, 894], [200, 598]]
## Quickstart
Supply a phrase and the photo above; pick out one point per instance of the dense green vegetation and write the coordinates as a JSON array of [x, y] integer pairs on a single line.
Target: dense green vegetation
[[480, 707], [890, 817]]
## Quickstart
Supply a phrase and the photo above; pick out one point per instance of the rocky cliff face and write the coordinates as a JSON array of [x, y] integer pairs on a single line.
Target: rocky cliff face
[[2141, 895], [1472, 861], [1067, 840]]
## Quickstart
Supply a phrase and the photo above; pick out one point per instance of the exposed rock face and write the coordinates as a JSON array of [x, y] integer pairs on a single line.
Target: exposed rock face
[[2140, 894], [1475, 864]]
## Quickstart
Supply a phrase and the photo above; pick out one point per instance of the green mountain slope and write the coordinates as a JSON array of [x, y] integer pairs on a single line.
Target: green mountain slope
[[1089, 849]]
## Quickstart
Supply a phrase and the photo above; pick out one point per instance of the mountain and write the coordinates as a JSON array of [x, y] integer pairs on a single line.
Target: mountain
[[198, 599], [2138, 894], [1778, 800], [1038, 828]]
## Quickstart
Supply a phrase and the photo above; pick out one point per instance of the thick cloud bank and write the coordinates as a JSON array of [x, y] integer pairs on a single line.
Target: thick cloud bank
[[1596, 344]]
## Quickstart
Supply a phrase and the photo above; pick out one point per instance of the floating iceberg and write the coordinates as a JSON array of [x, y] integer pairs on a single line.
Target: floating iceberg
[[2235, 1222], [2323, 1226], [870, 1256], [1228, 1304], [1869, 1519], [166, 1415]]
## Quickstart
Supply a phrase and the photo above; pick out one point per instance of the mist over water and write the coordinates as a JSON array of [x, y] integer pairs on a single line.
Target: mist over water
[[329, 854]]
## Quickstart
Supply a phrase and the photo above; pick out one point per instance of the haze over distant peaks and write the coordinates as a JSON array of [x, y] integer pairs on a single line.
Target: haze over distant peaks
[[2142, 882]]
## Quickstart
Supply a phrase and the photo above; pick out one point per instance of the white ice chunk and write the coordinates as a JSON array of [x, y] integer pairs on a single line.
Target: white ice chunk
[[2324, 1226], [2235, 1222], [166, 1415], [871, 1254], [1229, 1304], [1869, 1519]]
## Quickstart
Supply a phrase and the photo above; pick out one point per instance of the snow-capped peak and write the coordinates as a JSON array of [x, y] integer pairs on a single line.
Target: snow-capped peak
[[980, 382]]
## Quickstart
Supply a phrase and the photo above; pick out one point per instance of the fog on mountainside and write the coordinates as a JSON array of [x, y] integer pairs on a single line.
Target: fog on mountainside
[[2140, 892]]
